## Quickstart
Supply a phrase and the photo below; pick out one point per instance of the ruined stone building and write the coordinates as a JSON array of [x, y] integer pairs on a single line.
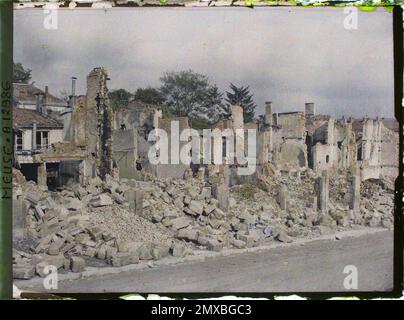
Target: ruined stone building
[[74, 148], [25, 96], [133, 126], [287, 143], [34, 132], [86, 139], [294, 141]]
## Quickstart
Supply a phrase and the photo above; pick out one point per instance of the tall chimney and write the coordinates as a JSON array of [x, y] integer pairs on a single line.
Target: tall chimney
[[276, 119], [73, 91], [39, 102], [309, 109], [268, 112], [34, 130], [45, 99]]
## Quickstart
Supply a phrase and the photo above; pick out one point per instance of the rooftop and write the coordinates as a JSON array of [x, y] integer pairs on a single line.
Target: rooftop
[[24, 118], [23, 92]]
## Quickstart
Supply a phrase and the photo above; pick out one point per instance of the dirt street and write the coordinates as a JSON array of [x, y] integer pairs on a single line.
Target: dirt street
[[314, 266]]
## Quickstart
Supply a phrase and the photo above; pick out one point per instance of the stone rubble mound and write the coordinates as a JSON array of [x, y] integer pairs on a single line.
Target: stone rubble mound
[[121, 222], [80, 225]]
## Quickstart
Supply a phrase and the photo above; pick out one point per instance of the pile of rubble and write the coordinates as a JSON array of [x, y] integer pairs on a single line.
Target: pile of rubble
[[122, 222], [71, 228], [187, 208], [376, 202]]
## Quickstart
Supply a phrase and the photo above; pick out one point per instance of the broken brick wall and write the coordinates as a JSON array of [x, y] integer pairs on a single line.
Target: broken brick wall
[[99, 122]]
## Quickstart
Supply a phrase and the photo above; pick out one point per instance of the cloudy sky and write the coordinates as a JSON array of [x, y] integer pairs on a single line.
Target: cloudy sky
[[286, 55]]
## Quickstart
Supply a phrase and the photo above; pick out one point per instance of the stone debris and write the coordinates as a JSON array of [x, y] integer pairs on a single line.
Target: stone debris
[[69, 228], [77, 264], [101, 200], [122, 222], [23, 271], [178, 250], [120, 259]]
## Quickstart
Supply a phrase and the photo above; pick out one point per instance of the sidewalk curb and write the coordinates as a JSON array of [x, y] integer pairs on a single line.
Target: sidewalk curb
[[198, 257]]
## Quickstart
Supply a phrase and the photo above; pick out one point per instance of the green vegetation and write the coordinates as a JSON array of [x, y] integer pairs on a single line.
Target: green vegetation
[[247, 191], [20, 74], [241, 96]]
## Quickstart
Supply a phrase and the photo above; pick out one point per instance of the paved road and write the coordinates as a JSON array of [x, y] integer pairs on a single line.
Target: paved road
[[314, 266]]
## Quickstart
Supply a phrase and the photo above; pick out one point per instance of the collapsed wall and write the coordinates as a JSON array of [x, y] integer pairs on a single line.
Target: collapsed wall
[[99, 122]]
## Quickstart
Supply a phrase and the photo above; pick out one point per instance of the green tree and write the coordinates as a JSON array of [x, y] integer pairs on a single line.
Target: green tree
[[119, 98], [241, 96], [199, 123], [184, 91], [20, 74], [212, 108], [187, 93], [149, 95]]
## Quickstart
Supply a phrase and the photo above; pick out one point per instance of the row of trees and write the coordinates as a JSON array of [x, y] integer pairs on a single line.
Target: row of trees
[[187, 93], [183, 93]]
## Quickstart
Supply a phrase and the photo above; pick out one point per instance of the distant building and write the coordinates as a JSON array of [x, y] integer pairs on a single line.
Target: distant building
[[34, 133], [26, 96]]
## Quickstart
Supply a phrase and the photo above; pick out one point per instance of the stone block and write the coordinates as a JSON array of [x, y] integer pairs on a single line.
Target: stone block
[[178, 250], [75, 204], [24, 272], [160, 251], [145, 251], [196, 206], [95, 233], [246, 238], [33, 196], [221, 193], [135, 199], [283, 197], [180, 223], [54, 249], [188, 234], [90, 252], [101, 252], [110, 252], [214, 245], [124, 258], [208, 208], [239, 244], [77, 264], [283, 237], [101, 200], [118, 198]]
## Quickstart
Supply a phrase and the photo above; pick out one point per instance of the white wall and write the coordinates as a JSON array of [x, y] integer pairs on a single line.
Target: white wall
[[27, 139], [320, 153], [54, 136]]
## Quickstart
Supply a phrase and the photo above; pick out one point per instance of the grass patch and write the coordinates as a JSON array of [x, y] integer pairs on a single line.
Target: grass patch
[[247, 191]]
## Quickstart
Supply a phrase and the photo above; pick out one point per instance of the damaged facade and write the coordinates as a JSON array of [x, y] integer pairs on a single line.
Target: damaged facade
[[301, 140], [287, 142], [79, 145]]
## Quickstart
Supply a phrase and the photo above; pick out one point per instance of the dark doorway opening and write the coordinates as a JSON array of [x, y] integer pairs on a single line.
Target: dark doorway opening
[[30, 171]]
